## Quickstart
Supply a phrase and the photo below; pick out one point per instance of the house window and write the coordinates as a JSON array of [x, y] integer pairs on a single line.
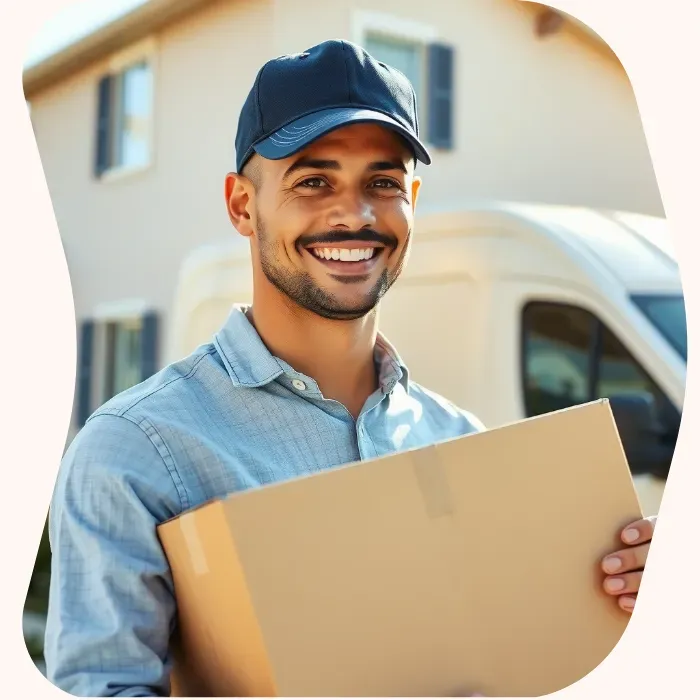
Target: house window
[[115, 354], [123, 356], [406, 56], [125, 105], [413, 49]]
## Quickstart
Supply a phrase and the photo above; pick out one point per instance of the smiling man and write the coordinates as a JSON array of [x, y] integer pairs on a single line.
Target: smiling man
[[325, 190]]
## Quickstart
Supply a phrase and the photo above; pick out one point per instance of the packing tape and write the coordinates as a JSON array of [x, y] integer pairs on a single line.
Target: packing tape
[[193, 542], [432, 482]]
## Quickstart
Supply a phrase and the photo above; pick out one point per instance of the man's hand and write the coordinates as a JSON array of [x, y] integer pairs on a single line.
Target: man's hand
[[625, 567]]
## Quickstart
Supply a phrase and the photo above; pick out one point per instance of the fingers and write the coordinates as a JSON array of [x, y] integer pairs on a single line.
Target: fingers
[[640, 531], [623, 585], [626, 560], [626, 602], [625, 567]]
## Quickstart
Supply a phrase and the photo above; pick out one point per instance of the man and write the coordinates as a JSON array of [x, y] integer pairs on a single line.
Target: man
[[325, 191]]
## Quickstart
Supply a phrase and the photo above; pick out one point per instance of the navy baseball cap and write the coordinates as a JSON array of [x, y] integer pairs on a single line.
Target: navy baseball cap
[[298, 98]]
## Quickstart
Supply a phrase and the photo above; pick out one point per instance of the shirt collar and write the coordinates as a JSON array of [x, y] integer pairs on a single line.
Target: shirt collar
[[250, 364]]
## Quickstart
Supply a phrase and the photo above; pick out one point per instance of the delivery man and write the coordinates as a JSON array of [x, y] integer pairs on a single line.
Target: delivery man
[[325, 190]]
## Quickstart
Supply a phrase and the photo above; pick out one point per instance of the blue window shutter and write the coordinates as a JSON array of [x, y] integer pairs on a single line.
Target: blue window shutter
[[87, 333], [149, 345], [441, 96], [103, 136]]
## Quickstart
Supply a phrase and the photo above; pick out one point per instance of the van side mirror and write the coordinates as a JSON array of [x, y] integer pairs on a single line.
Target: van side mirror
[[640, 434]]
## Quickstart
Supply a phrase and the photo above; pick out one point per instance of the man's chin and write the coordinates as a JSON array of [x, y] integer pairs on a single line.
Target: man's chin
[[339, 313], [334, 307], [332, 299], [350, 303]]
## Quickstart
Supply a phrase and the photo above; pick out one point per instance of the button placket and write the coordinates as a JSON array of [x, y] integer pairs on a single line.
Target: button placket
[[364, 443]]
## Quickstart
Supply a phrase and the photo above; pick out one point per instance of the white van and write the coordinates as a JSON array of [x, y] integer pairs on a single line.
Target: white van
[[514, 310]]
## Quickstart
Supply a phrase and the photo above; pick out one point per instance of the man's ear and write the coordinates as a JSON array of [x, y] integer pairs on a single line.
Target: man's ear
[[415, 188], [240, 195]]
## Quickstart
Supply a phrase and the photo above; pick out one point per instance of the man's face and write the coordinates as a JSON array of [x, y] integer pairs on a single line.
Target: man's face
[[331, 226]]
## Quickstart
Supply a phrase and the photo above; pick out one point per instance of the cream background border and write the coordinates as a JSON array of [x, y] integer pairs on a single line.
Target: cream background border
[[656, 43]]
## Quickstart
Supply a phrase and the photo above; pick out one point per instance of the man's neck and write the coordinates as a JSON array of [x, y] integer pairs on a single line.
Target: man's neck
[[338, 355]]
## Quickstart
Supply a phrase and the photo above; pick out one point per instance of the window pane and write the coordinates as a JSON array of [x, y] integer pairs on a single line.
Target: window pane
[[618, 372], [557, 357], [620, 375], [133, 120], [667, 313], [127, 357], [123, 357], [405, 56]]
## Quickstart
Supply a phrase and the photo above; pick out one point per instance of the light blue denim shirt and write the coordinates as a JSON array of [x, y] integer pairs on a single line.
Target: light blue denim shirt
[[227, 418]]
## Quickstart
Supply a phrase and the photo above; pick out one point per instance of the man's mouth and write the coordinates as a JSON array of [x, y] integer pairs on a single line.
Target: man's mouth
[[348, 258], [344, 254]]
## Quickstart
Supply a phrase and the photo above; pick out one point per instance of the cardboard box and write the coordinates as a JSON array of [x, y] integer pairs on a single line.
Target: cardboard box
[[472, 564]]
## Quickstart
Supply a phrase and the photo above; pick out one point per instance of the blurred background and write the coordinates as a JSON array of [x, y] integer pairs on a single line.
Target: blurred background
[[542, 261]]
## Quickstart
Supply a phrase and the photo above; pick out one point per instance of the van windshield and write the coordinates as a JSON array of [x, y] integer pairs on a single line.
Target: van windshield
[[667, 314]]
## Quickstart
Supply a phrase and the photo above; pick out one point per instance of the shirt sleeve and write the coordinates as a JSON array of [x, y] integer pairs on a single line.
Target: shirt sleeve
[[460, 421], [474, 424], [111, 602]]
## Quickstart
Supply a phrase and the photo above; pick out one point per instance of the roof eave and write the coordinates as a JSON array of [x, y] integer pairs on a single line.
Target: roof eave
[[154, 15], [576, 29], [143, 21]]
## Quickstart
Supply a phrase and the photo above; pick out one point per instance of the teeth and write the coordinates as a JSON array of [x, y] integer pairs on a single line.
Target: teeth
[[344, 254]]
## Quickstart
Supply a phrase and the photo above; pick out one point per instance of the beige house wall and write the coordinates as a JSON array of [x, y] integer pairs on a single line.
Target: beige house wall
[[548, 120], [545, 120], [124, 237]]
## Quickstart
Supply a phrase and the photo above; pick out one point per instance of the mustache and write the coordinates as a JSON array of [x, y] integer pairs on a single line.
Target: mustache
[[365, 235]]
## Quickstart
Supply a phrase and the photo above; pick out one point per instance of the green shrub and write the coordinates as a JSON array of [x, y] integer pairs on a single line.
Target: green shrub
[[38, 592]]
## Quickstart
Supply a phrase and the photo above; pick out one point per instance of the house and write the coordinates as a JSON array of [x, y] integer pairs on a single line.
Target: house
[[135, 125]]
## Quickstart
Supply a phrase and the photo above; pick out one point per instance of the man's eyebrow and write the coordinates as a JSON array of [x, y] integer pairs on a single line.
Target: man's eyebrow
[[388, 165], [305, 162], [311, 163]]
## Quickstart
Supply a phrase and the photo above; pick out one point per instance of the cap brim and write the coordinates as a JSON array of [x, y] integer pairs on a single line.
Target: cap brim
[[300, 133]]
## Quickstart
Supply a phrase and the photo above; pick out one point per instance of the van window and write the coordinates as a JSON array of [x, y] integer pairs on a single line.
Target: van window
[[618, 372], [667, 314], [570, 357], [557, 357]]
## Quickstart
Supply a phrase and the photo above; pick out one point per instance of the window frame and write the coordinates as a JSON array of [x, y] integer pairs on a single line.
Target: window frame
[[142, 52], [103, 316], [107, 363], [391, 26], [368, 23], [422, 50], [92, 380]]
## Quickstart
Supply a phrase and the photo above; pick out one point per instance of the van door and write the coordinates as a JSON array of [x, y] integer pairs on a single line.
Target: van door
[[569, 356]]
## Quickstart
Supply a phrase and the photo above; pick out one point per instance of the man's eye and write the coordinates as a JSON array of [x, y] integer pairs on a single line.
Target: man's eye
[[385, 184], [313, 182]]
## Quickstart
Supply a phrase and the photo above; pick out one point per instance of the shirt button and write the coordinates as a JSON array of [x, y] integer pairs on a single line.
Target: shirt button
[[298, 384]]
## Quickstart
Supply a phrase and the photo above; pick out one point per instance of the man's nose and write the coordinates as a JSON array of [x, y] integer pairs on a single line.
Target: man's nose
[[352, 212]]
